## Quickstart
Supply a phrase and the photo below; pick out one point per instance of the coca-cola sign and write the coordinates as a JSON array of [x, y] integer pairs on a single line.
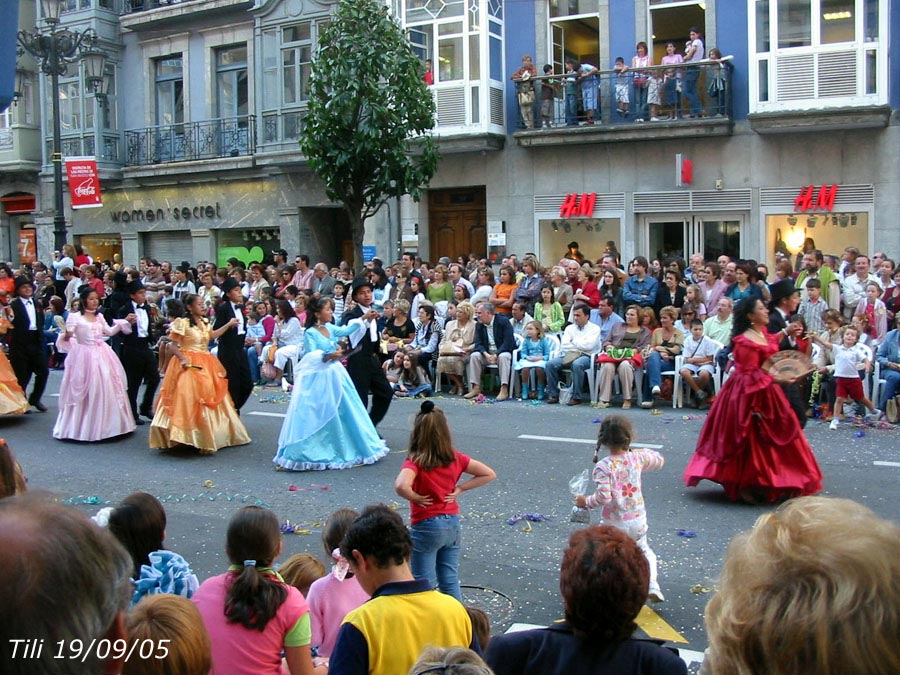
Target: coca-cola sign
[[84, 182]]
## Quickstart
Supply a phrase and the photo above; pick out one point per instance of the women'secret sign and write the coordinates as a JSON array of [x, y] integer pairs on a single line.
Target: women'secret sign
[[84, 182]]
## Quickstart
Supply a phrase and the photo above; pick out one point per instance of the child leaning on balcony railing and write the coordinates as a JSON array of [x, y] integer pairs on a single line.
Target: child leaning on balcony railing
[[717, 77]]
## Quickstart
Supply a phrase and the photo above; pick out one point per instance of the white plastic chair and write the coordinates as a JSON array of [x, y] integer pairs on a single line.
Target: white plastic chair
[[679, 384]]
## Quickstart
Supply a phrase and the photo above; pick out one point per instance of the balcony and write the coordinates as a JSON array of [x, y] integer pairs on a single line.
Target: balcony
[[138, 15], [191, 141], [625, 122]]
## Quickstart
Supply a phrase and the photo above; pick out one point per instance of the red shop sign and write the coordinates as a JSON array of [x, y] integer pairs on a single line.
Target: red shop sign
[[578, 205], [808, 200], [84, 182]]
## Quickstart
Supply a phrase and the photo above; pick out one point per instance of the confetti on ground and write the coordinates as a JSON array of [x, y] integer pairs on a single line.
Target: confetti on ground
[[528, 517], [92, 500], [859, 434], [687, 534], [208, 484], [313, 486], [697, 589], [275, 398], [287, 527], [656, 411], [597, 420]]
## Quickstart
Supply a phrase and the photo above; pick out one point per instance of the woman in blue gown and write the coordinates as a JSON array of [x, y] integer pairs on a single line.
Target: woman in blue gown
[[326, 426]]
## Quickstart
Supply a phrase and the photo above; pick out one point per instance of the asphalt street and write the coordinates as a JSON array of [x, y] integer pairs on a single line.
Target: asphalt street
[[509, 569]]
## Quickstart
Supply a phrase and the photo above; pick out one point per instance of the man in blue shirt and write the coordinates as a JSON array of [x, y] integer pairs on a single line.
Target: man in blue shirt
[[640, 289], [606, 319]]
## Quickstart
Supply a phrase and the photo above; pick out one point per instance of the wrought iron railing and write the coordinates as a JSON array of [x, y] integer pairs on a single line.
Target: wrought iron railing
[[85, 145], [191, 141]]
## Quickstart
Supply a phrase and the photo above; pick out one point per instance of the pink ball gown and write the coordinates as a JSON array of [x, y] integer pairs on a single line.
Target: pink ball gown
[[93, 398]]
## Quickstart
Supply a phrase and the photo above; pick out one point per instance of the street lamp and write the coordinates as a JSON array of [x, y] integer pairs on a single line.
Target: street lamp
[[55, 49]]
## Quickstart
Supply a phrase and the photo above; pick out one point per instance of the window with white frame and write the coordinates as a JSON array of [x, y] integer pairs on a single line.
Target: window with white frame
[[287, 53], [169, 90], [464, 41], [817, 54]]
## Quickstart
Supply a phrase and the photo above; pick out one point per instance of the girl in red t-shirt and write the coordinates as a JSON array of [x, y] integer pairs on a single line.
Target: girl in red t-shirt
[[428, 479]]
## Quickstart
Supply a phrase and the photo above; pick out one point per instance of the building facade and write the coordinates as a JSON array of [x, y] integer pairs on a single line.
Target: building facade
[[196, 133]]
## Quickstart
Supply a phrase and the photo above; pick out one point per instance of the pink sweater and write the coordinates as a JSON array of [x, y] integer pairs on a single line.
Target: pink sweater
[[329, 602]]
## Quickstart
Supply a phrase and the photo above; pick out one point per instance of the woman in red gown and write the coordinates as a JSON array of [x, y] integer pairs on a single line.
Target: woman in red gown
[[751, 443]]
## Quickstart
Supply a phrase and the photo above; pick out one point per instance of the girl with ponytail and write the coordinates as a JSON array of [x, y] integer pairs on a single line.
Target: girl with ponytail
[[251, 614], [428, 479]]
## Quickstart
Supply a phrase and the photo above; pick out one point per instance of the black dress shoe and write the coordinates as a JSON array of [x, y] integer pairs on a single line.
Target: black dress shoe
[[147, 413], [40, 406], [139, 421]]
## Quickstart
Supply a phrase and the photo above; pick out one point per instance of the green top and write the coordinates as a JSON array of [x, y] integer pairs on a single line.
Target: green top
[[438, 292]]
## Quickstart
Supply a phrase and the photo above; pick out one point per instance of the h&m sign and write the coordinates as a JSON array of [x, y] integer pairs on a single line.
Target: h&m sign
[[575, 205], [809, 200]]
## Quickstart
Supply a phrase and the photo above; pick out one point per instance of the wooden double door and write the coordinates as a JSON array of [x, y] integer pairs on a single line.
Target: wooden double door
[[457, 223]]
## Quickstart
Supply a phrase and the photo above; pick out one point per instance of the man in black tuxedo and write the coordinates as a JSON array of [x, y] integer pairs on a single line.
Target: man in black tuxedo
[[785, 300], [27, 353], [140, 363], [363, 364], [495, 348], [231, 352]]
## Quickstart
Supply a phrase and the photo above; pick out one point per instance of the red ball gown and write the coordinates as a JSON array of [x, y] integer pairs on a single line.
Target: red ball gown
[[751, 441]]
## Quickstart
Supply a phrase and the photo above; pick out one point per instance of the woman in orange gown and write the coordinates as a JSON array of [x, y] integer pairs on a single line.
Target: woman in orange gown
[[12, 398], [751, 443], [194, 407]]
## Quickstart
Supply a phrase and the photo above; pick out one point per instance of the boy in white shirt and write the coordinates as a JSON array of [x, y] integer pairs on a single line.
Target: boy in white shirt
[[699, 352], [846, 374]]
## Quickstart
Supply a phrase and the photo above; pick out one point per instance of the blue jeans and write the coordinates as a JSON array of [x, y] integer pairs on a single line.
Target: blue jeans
[[253, 361], [579, 367], [571, 110], [640, 101], [654, 366], [435, 555], [891, 385], [689, 89]]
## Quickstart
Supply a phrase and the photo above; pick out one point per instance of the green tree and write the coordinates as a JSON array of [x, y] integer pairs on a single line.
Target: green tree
[[367, 131]]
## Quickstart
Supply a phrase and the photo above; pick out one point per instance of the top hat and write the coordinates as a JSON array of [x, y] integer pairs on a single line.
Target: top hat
[[358, 283], [229, 284], [22, 281], [185, 266], [135, 286], [781, 290]]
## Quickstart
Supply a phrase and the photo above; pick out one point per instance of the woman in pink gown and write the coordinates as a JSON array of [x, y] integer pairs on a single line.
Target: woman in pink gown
[[751, 443], [93, 398]]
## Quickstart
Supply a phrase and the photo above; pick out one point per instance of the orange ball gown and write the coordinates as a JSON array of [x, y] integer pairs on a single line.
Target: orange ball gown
[[194, 407]]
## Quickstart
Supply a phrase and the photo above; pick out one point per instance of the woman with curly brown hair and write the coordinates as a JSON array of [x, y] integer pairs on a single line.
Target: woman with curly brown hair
[[603, 581]]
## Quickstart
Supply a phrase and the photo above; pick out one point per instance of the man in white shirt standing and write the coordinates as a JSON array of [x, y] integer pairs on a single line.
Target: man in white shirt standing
[[853, 288], [580, 339]]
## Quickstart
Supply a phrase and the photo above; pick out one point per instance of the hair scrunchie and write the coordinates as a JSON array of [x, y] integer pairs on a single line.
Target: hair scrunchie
[[426, 407]]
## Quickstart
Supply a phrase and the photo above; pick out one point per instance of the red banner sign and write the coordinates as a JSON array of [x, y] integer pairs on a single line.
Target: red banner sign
[[575, 205], [84, 182], [809, 200]]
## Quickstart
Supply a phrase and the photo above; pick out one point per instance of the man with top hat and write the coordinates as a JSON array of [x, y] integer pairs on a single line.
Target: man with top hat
[[363, 364], [231, 352], [27, 353], [784, 303], [140, 363]]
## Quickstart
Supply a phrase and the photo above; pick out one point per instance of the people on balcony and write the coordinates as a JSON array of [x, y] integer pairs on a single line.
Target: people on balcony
[[641, 80], [525, 90], [693, 52]]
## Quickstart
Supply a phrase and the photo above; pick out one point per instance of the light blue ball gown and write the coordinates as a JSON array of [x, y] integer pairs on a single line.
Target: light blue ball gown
[[326, 426]]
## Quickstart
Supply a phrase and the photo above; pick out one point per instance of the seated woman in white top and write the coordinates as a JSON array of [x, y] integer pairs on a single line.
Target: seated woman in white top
[[287, 340]]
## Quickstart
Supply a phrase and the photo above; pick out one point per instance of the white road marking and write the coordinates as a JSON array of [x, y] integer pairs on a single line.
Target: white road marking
[[265, 414], [887, 464], [582, 441]]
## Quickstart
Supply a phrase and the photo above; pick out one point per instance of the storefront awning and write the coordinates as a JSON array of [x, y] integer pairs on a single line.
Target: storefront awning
[[18, 204]]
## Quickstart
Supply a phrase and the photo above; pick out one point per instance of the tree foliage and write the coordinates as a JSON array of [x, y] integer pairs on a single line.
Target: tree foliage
[[370, 113]]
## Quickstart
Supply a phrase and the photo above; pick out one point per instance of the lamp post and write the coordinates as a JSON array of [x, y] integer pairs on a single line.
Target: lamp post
[[55, 49]]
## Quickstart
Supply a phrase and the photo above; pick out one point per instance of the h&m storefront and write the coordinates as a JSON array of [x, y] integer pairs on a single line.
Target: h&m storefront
[[712, 222]]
